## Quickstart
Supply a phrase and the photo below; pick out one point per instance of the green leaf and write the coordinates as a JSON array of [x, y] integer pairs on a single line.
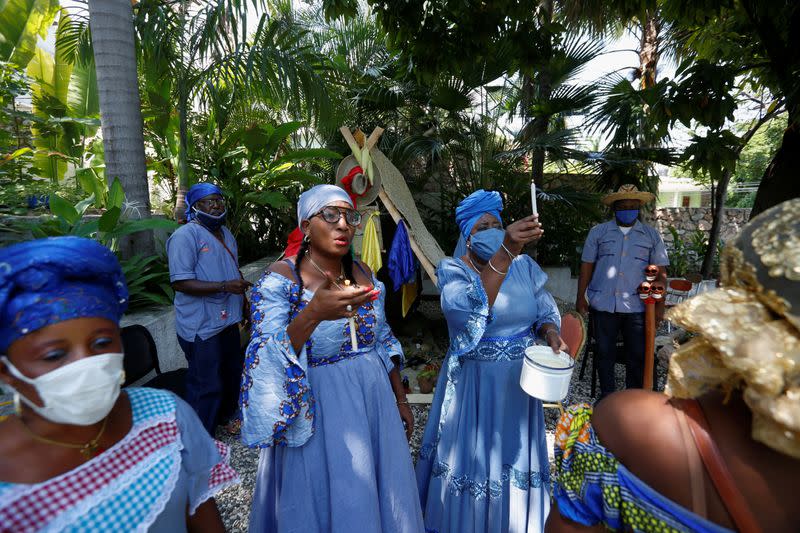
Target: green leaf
[[83, 99], [22, 23], [116, 196], [16, 153], [279, 135], [109, 220], [307, 154], [84, 204], [92, 184], [61, 209], [271, 198]]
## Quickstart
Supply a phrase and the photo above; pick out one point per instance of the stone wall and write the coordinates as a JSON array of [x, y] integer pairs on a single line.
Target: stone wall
[[688, 219]]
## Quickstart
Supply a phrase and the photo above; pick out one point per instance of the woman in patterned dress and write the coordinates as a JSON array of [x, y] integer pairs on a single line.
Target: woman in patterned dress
[[720, 451], [79, 454], [328, 415]]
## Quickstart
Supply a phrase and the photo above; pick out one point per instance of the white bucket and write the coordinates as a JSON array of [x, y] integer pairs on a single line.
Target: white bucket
[[546, 375]]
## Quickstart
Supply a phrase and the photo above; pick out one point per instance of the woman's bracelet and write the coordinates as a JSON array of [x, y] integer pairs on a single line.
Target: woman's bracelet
[[493, 268], [511, 255], [404, 402]]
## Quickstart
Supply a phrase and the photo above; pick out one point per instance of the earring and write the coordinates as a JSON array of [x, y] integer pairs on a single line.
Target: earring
[[307, 238]]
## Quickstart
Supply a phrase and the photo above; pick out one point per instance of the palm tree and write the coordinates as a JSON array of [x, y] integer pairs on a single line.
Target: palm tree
[[187, 52], [111, 23]]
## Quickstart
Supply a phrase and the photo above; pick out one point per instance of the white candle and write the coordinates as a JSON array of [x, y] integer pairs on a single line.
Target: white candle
[[353, 339], [533, 198], [352, 323]]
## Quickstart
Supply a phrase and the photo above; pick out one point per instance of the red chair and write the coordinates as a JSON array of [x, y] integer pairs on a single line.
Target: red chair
[[573, 331]]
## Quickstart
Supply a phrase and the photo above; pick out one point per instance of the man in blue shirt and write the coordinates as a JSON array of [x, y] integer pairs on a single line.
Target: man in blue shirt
[[614, 258], [209, 299]]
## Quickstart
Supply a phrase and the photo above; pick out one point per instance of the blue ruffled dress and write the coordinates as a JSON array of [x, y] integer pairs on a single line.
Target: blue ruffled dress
[[483, 464], [335, 456]]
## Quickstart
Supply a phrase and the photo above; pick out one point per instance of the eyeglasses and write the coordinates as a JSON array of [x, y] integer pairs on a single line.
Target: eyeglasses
[[332, 214], [209, 202]]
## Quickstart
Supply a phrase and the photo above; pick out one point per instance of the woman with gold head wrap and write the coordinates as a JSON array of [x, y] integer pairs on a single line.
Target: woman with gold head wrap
[[721, 451]]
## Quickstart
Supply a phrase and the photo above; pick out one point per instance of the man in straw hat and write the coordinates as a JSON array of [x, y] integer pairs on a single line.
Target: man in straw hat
[[614, 258]]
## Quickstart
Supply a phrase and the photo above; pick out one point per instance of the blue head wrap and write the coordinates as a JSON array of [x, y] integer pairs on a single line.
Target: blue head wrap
[[317, 197], [197, 192], [46, 281], [471, 209]]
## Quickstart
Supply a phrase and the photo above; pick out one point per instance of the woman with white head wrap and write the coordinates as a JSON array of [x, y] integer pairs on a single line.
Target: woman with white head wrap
[[328, 415]]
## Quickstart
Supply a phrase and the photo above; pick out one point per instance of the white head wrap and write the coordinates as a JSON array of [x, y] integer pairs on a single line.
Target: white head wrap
[[317, 197]]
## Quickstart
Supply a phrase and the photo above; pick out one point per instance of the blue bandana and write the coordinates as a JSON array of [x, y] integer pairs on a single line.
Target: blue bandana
[[198, 192], [46, 281], [471, 209]]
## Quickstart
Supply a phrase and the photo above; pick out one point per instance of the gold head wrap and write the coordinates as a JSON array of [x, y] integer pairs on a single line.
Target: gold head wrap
[[749, 330]]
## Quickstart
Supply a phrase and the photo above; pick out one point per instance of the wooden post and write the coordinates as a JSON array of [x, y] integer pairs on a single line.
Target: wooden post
[[429, 267], [650, 341]]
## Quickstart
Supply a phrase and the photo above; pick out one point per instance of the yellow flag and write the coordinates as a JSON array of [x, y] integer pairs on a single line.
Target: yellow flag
[[370, 246], [410, 291]]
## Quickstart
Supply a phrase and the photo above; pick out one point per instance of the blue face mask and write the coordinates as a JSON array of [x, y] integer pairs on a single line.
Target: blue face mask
[[626, 216], [486, 243], [210, 221]]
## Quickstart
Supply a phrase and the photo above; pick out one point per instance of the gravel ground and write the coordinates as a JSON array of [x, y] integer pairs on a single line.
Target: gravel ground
[[415, 335]]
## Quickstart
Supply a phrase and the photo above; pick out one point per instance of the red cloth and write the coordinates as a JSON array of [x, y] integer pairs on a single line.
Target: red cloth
[[347, 184], [293, 243]]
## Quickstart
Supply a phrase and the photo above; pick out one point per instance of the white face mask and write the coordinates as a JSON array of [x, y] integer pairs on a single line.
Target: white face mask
[[80, 393]]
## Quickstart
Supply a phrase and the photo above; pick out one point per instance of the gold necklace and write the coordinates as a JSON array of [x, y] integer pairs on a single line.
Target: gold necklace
[[473, 264], [88, 450], [324, 274]]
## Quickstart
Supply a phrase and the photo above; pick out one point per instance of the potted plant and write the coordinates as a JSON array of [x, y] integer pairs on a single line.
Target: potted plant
[[427, 378]]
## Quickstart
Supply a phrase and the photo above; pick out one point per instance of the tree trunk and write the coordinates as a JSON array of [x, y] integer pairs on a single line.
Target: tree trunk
[[649, 53], [183, 155], [780, 181], [717, 211], [718, 198], [648, 50], [111, 24]]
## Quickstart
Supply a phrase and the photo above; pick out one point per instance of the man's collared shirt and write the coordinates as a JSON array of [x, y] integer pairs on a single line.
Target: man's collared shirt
[[195, 253], [619, 263]]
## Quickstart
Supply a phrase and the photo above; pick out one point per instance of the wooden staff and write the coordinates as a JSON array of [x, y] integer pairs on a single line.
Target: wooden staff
[[650, 291], [649, 341]]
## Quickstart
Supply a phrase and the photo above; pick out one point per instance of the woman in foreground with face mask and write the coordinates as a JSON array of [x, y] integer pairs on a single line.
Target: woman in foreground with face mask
[[78, 453], [483, 463]]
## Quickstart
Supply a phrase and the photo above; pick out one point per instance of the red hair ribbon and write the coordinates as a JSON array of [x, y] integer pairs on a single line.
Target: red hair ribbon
[[293, 243]]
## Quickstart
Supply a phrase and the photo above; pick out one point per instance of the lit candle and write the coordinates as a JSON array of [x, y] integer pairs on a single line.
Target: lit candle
[[352, 322], [533, 198]]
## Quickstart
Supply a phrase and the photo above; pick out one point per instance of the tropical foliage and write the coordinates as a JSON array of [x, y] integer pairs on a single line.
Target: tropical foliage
[[250, 94]]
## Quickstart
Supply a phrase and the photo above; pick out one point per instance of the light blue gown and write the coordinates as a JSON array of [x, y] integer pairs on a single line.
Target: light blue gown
[[483, 464], [335, 456]]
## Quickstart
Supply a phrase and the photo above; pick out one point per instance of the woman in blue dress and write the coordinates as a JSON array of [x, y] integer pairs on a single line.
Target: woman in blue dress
[[328, 415], [483, 464]]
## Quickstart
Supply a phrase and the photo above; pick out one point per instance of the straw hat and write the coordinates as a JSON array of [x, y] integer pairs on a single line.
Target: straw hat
[[360, 186], [628, 192]]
